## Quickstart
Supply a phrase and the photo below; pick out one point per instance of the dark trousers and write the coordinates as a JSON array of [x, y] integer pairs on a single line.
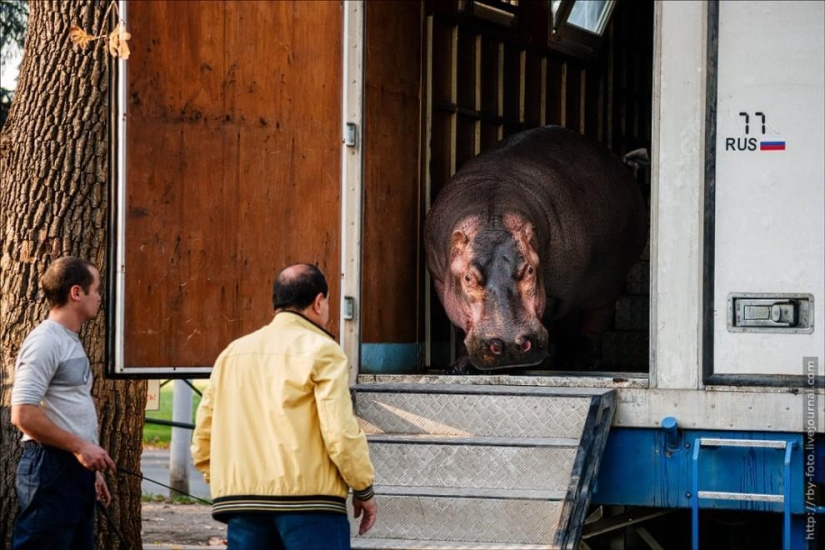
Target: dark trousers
[[57, 501], [288, 531]]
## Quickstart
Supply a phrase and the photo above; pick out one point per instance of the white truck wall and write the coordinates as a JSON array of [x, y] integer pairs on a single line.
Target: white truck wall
[[770, 202], [769, 215]]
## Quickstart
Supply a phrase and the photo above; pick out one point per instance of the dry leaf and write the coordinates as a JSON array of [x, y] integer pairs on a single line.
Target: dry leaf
[[79, 37], [117, 41]]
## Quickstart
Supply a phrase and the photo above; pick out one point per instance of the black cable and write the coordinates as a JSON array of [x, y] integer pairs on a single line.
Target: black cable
[[105, 513], [111, 522], [141, 476]]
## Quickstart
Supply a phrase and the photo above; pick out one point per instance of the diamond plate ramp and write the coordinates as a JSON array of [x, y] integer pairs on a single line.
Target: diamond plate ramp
[[482, 463], [514, 411], [481, 466], [444, 516]]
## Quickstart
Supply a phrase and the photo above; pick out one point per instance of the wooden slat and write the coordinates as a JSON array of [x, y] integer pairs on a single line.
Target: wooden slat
[[555, 92], [233, 168], [534, 87], [393, 122]]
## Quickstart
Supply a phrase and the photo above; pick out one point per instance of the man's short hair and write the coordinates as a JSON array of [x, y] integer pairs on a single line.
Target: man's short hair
[[62, 275], [297, 286]]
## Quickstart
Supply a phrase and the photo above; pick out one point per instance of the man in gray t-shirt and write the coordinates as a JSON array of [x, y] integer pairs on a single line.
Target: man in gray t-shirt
[[59, 476]]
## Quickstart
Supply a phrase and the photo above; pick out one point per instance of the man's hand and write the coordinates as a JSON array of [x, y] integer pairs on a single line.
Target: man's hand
[[32, 421], [102, 490], [366, 510], [95, 458]]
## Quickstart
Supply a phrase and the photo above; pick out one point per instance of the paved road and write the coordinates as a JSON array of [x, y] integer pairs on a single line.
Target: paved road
[[154, 463]]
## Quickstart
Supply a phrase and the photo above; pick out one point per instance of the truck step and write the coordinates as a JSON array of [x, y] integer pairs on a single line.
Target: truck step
[[360, 543], [479, 465], [469, 410], [466, 516], [474, 463]]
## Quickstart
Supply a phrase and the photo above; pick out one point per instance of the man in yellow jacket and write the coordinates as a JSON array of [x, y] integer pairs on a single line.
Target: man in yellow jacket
[[275, 434]]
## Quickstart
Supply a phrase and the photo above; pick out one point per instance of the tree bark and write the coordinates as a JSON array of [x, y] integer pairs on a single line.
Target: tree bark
[[53, 178]]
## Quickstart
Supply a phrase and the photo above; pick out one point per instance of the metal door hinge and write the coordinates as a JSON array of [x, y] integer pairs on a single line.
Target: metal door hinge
[[350, 134], [349, 308]]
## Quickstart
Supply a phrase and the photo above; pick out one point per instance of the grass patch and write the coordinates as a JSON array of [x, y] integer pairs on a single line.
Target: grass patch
[[177, 499], [158, 436]]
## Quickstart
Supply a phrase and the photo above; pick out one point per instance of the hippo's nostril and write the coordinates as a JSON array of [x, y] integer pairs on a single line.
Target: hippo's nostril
[[526, 345], [496, 346]]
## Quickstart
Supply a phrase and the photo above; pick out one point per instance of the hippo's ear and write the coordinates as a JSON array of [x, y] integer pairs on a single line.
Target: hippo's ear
[[529, 235], [460, 241]]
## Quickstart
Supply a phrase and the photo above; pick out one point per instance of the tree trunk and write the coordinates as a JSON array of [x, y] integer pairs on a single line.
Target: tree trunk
[[53, 178]]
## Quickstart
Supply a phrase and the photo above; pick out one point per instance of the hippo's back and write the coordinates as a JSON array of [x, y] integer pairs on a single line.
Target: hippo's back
[[583, 202]]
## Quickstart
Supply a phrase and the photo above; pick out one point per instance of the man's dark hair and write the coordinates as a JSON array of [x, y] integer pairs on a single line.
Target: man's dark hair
[[297, 286], [62, 275]]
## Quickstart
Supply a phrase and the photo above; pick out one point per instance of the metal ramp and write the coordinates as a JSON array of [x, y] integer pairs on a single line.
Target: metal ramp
[[481, 466]]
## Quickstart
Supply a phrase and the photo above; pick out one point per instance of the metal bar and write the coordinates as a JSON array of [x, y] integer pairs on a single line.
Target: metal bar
[[172, 423], [694, 498], [474, 441], [786, 535], [119, 259], [763, 443], [170, 372], [500, 88], [191, 385], [522, 80], [453, 144], [477, 92], [428, 184], [352, 182], [543, 100], [746, 497], [470, 492], [620, 521], [476, 114]]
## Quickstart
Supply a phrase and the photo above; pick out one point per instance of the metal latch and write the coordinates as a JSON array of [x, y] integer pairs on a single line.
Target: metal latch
[[767, 313], [761, 312]]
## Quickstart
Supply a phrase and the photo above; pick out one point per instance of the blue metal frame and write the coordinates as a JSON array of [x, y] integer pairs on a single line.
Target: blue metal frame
[[652, 468], [786, 494]]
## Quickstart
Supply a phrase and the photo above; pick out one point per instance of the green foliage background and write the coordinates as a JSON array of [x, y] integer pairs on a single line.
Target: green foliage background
[[14, 15]]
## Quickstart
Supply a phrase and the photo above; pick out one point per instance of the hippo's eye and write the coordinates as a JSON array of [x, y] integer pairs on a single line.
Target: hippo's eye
[[468, 278], [529, 271]]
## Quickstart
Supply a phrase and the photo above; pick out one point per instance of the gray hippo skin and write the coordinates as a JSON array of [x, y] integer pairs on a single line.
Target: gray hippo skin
[[542, 227]]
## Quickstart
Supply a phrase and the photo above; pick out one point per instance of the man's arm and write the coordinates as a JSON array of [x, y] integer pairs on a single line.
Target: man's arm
[[344, 439], [32, 421]]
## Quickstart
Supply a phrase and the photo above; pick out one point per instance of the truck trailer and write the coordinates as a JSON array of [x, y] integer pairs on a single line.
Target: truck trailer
[[250, 135]]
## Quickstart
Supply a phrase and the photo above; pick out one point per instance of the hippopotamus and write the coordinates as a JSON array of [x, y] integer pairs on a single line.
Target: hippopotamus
[[542, 227]]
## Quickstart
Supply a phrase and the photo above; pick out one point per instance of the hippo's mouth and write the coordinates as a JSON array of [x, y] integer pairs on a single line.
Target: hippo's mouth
[[498, 353], [487, 363]]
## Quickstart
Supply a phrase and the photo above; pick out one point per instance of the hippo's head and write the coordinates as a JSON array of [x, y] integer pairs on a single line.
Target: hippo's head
[[497, 296]]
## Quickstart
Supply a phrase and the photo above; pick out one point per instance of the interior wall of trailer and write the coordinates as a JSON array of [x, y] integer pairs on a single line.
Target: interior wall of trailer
[[392, 145], [233, 168], [447, 87]]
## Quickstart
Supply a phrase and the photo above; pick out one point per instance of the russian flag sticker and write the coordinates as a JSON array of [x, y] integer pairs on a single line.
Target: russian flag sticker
[[772, 146]]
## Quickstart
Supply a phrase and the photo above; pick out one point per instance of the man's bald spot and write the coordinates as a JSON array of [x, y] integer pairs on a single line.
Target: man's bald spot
[[292, 273], [296, 286]]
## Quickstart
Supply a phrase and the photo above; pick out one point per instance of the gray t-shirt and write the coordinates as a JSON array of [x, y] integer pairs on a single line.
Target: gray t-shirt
[[53, 371]]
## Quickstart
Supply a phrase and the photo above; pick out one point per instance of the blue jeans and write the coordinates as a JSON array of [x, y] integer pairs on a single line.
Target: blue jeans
[[288, 531], [57, 501]]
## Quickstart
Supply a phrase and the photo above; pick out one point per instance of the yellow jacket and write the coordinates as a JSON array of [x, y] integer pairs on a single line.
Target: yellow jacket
[[275, 429]]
